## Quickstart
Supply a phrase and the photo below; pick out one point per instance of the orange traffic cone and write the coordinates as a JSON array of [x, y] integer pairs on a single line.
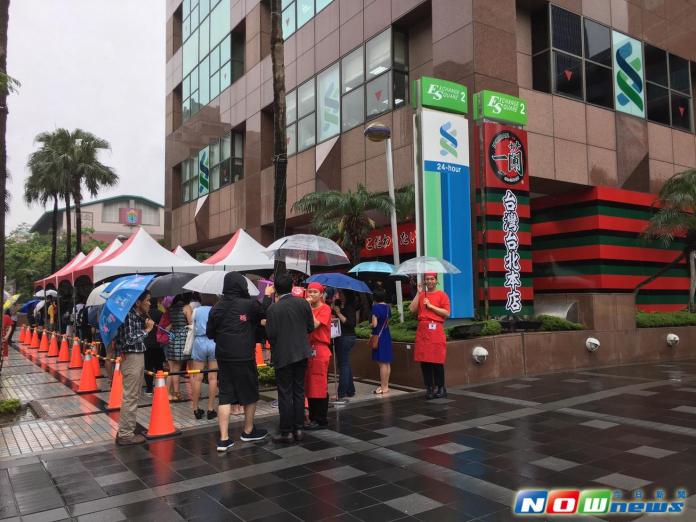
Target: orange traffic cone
[[116, 394], [43, 345], [259, 356], [75, 356], [64, 352], [53, 346], [35, 339], [21, 335], [161, 421], [95, 360], [88, 382]]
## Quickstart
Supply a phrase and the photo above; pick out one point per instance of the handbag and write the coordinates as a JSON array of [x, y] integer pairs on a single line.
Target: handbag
[[190, 335], [373, 342]]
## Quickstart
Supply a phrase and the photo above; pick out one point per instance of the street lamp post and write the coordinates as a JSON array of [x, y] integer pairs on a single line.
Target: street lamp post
[[379, 132]]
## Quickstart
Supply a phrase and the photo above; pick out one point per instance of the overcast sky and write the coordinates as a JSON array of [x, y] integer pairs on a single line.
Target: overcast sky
[[98, 65]]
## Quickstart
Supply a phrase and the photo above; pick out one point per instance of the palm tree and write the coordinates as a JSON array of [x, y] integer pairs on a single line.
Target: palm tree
[[280, 145], [675, 217], [405, 203], [5, 88], [88, 170], [41, 186], [343, 215]]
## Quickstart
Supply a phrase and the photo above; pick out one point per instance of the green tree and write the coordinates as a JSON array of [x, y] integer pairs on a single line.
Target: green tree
[[675, 217], [343, 216], [280, 144]]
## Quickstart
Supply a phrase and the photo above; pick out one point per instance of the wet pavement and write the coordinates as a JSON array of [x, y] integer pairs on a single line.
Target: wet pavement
[[396, 458]]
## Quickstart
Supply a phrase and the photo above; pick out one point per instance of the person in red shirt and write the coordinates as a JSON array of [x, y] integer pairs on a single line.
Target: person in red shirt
[[317, 376], [432, 308], [6, 333]]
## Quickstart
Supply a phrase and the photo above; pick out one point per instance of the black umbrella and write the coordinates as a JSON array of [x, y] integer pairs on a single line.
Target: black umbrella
[[170, 284]]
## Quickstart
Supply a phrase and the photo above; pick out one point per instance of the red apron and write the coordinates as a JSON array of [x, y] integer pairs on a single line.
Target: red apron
[[317, 376], [431, 342]]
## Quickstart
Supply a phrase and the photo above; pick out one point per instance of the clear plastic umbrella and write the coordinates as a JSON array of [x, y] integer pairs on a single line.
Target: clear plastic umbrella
[[95, 298], [46, 293], [314, 250], [212, 283], [425, 264]]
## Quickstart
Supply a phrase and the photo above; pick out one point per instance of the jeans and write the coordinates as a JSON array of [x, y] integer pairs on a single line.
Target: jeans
[[344, 344], [290, 380]]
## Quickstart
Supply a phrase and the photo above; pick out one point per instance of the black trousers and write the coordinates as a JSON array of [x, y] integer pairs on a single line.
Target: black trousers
[[290, 381], [433, 374], [154, 361], [319, 410]]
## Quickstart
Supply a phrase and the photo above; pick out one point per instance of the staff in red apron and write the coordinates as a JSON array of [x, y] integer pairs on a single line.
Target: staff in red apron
[[317, 376], [432, 308]]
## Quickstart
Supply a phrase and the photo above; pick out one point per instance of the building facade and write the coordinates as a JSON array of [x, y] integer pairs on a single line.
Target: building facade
[[110, 218], [608, 86]]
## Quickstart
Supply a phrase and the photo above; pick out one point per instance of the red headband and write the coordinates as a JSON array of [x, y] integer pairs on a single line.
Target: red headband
[[431, 274], [315, 286]]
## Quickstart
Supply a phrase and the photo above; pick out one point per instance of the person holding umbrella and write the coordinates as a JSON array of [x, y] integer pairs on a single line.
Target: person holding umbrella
[[317, 376], [432, 308]]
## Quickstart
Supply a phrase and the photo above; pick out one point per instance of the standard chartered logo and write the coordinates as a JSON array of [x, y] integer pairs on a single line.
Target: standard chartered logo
[[494, 103], [203, 178], [628, 77], [448, 140]]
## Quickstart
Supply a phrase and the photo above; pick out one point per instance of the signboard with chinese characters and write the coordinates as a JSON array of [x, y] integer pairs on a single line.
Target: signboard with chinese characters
[[130, 216], [443, 95], [447, 202], [501, 107], [504, 221], [629, 83], [379, 242]]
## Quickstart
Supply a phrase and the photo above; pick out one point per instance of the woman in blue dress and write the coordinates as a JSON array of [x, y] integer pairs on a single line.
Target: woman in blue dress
[[381, 312]]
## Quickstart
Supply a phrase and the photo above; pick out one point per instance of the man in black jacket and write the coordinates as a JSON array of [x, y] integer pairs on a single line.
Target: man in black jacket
[[288, 322], [232, 323]]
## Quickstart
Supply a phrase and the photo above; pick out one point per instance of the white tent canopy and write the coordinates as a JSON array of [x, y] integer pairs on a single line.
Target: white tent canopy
[[179, 251], [242, 252], [141, 254]]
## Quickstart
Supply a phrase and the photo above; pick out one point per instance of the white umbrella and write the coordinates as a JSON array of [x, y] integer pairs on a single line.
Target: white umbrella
[[212, 283], [39, 306], [425, 264], [314, 250], [46, 293], [95, 298]]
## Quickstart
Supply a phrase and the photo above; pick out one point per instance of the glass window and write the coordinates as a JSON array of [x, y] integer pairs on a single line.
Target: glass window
[[187, 7], [321, 4], [378, 95], [204, 7], [400, 88], [237, 170], [186, 28], [289, 21], [185, 88], [204, 82], [214, 177], [194, 102], [306, 134], [238, 150], [285, 3], [329, 103], [204, 38], [540, 30], [599, 86], [566, 31], [194, 17], [225, 49], [225, 147], [541, 72], [681, 111], [305, 11], [214, 85], [291, 107], [225, 178], [220, 22], [352, 70], [291, 139], [185, 172], [568, 78], [225, 76], [679, 74], [655, 65], [657, 103], [597, 43], [203, 172], [190, 53], [378, 54], [353, 112], [215, 59], [305, 98], [400, 51], [215, 152], [186, 192]]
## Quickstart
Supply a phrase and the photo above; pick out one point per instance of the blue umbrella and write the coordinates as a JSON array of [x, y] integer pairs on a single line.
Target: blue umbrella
[[29, 304], [341, 281], [377, 267], [123, 294]]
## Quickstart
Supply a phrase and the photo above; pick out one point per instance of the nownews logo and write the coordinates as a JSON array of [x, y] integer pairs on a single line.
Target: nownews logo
[[596, 502]]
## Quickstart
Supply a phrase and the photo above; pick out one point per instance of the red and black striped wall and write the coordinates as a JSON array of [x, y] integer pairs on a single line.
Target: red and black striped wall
[[590, 241]]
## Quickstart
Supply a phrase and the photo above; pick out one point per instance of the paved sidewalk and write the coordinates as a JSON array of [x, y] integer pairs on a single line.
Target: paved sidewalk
[[400, 458]]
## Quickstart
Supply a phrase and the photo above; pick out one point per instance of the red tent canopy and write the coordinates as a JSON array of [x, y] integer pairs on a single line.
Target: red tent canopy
[[85, 268], [52, 279]]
